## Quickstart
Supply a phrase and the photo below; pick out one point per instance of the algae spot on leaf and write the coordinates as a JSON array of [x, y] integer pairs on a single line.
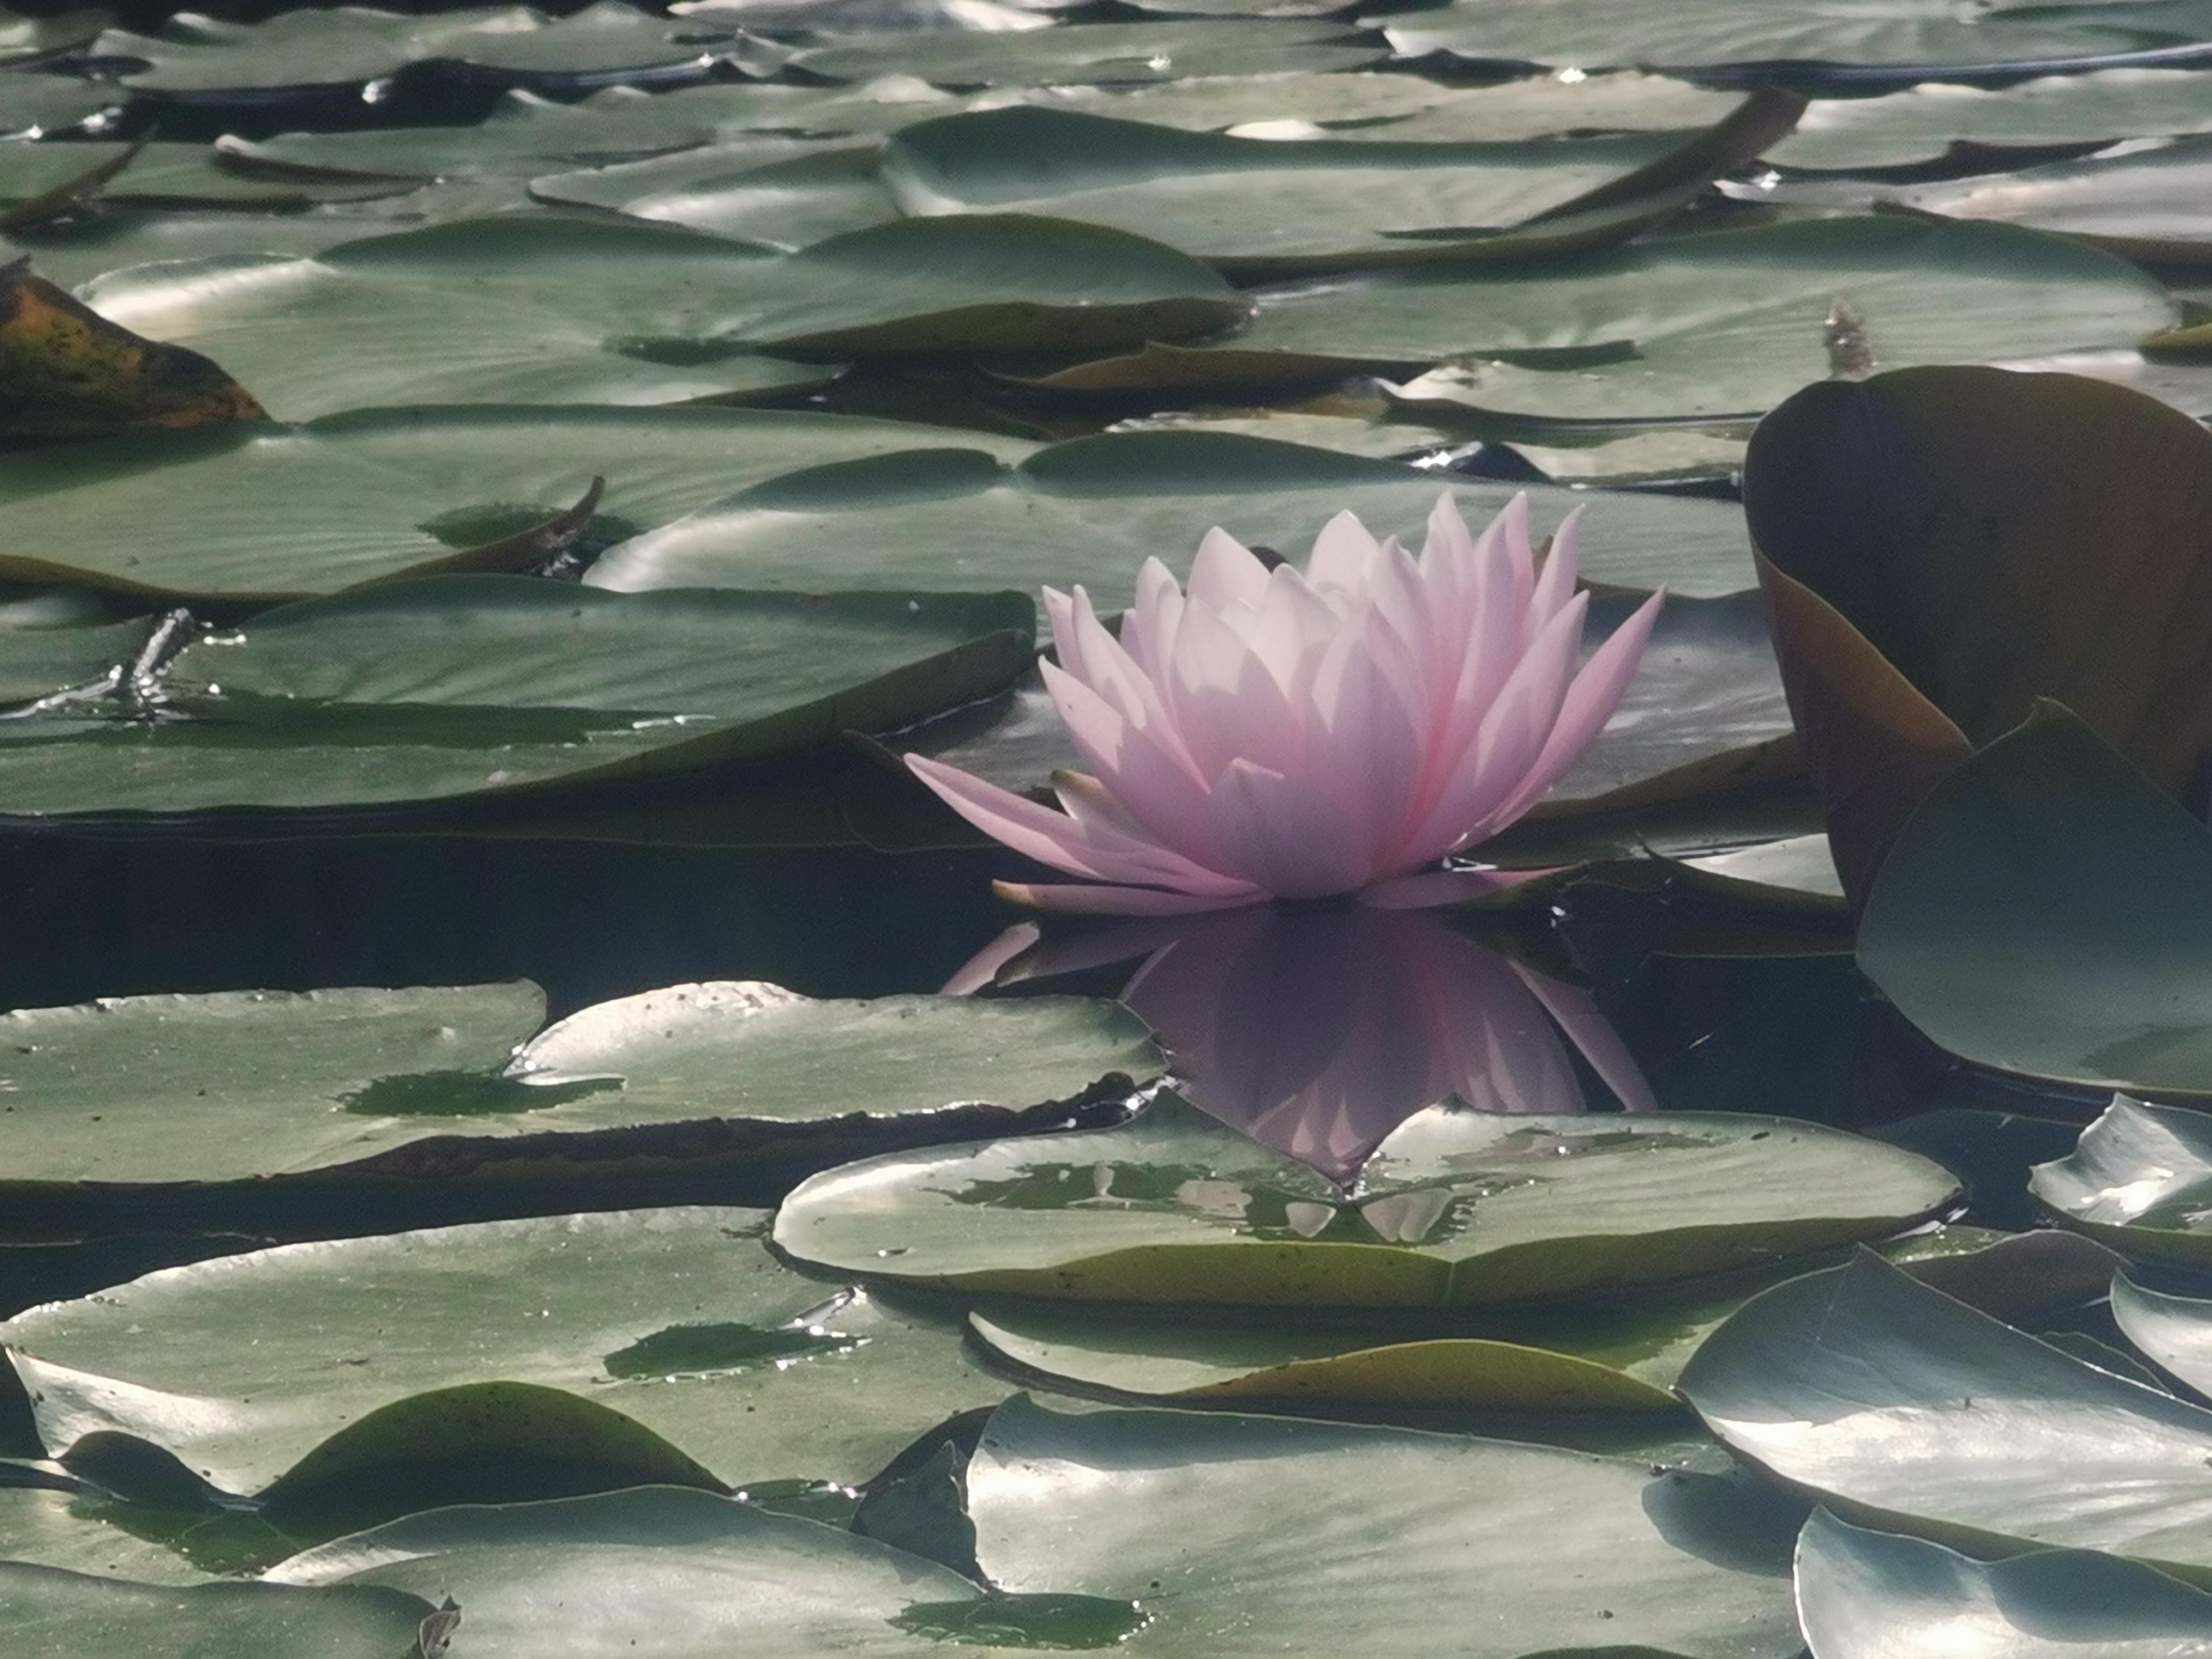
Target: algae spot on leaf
[[1041, 1620]]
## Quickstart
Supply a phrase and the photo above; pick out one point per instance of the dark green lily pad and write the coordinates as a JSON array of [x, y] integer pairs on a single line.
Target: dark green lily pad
[[2140, 1179], [50, 1612]]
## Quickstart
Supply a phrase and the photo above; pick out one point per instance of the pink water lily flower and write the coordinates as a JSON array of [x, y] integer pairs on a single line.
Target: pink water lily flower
[[1278, 733]]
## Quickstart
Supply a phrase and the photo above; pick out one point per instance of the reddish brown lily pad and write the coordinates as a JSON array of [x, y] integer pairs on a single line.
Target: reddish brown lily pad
[[1940, 547]]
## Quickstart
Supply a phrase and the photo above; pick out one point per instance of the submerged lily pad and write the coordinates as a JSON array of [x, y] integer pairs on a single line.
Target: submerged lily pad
[[1867, 1595], [230, 1085], [267, 513], [1993, 933], [1455, 1207], [1093, 509], [1903, 1407], [1240, 1537], [679, 1319]]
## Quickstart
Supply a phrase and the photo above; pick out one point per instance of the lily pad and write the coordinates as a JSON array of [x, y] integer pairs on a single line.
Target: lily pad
[[2132, 203], [1924, 123], [729, 190], [1905, 1409], [53, 1612], [264, 512], [1863, 1594], [1253, 206], [464, 685], [538, 310], [679, 1319], [37, 106], [1456, 1207], [1993, 934], [1893, 43], [1923, 563], [1184, 1514], [2138, 1179], [1092, 509], [1078, 54], [325, 1079], [48, 1519], [2175, 1331], [667, 1574], [172, 174]]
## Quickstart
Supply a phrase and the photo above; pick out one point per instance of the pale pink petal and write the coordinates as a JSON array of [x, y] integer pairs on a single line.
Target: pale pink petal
[[1059, 614], [1589, 703], [1555, 584], [1110, 671], [1339, 566], [1032, 831], [1226, 574], [1283, 837], [1111, 828], [1148, 627], [1097, 899], [1520, 557], [1152, 787]]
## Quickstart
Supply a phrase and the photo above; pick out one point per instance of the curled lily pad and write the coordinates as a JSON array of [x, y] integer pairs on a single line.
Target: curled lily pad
[[1992, 933], [2125, 203], [1926, 570], [53, 1612], [680, 1319], [1455, 1206], [2140, 1179], [1867, 1595], [1904, 1408], [2175, 1331]]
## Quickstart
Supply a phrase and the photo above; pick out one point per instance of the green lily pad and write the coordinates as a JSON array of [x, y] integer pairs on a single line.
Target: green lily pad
[[193, 55], [1896, 42], [172, 174], [1618, 1353], [38, 105], [58, 1523], [2138, 1179], [456, 686], [50, 1612], [322, 1080], [667, 1574], [264, 512], [1993, 934], [546, 310], [1078, 54], [2175, 1331], [1728, 325], [2133, 203], [1243, 1536], [1254, 206], [35, 37], [1455, 1207], [679, 1319], [1861, 1593], [1903, 1408], [1093, 509], [1924, 123], [728, 190]]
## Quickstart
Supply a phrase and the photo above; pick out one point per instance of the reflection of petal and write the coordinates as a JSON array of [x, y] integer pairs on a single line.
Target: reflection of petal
[[1592, 1033], [1406, 1217], [982, 968], [1318, 1033]]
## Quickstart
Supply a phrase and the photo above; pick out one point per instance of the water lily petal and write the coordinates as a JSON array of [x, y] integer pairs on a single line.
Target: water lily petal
[[1153, 785], [1099, 899], [1226, 574], [1588, 704], [1284, 836], [1339, 566]]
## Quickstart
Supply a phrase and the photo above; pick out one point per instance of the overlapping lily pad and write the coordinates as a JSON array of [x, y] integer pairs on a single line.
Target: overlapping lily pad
[[1923, 563], [1456, 1207], [679, 1319], [2133, 203], [1093, 509], [231, 1086], [1994, 935], [1903, 1408], [1867, 1595], [1896, 43], [1078, 54], [534, 310], [1185, 1514], [1250, 205], [273, 512], [660, 1573], [53, 1612]]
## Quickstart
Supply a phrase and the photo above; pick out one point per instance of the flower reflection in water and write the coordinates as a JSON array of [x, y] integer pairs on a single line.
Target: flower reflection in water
[[1319, 1032]]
